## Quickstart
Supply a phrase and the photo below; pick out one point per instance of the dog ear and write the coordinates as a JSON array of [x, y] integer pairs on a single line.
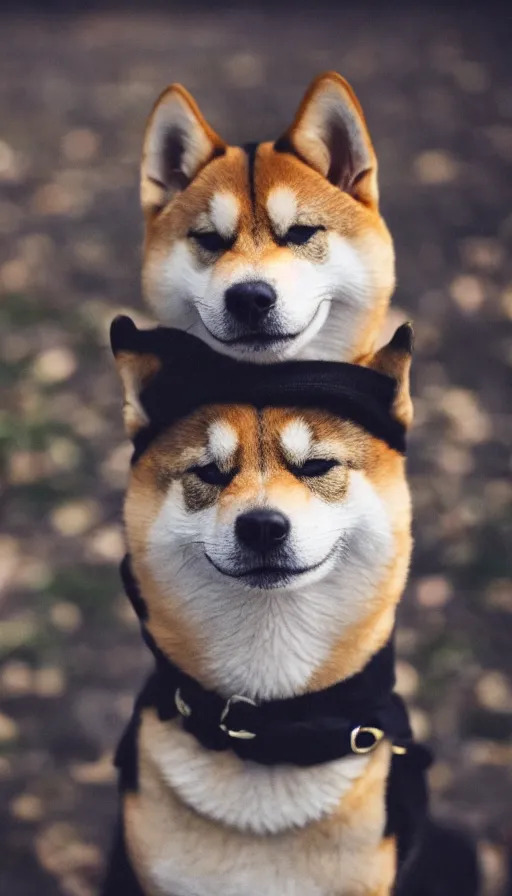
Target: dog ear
[[178, 142], [136, 368], [329, 134], [394, 359]]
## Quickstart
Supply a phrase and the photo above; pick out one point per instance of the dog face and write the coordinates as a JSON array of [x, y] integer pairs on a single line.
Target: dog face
[[273, 251], [265, 522], [260, 501]]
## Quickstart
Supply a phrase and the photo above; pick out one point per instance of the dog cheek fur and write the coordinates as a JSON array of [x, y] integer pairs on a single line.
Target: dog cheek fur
[[358, 525], [177, 528], [174, 282]]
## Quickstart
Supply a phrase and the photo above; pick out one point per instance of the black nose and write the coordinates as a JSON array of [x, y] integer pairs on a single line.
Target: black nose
[[262, 530], [250, 302]]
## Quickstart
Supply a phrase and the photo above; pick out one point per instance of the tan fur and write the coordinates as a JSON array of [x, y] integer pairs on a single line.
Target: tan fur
[[396, 363], [135, 373], [343, 854]]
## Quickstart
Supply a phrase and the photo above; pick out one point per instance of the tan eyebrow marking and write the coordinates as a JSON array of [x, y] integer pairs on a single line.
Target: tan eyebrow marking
[[222, 441], [282, 209], [296, 438], [224, 213]]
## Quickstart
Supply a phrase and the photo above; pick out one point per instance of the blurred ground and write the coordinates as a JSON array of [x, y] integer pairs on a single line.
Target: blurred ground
[[74, 93]]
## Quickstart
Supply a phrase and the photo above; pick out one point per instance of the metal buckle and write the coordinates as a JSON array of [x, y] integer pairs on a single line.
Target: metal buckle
[[241, 735], [182, 707], [376, 733]]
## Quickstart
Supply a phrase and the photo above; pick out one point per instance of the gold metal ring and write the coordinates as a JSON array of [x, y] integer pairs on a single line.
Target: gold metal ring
[[241, 735], [182, 707], [398, 751], [376, 733]]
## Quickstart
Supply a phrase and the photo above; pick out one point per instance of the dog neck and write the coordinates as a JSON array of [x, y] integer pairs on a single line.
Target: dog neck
[[276, 646]]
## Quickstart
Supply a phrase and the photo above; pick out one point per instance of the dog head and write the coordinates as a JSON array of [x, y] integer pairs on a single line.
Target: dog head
[[250, 527], [270, 251]]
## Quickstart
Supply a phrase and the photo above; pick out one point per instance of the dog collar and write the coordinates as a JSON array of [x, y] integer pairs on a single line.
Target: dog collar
[[193, 375]]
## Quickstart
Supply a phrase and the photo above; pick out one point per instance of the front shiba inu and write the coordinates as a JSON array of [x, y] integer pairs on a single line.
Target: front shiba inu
[[271, 251], [269, 545]]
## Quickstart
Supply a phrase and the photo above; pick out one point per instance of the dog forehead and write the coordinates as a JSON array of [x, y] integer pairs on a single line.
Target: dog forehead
[[233, 189], [255, 436], [240, 177], [248, 437]]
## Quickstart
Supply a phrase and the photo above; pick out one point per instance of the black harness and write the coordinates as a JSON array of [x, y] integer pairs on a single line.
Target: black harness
[[349, 718]]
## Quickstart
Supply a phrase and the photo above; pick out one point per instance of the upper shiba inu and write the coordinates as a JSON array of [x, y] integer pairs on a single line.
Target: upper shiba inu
[[274, 250], [269, 546]]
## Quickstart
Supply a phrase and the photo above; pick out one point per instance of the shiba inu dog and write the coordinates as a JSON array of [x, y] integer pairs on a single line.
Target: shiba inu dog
[[269, 545], [269, 251]]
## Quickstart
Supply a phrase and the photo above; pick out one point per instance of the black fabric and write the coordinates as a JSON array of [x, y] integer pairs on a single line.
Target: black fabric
[[193, 375], [120, 878], [406, 806], [444, 863]]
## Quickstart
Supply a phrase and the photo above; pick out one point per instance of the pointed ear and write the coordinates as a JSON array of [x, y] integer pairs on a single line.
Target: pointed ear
[[394, 359], [136, 368], [178, 142], [329, 134]]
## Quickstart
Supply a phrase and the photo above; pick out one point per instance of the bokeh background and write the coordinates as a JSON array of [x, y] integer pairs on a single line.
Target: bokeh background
[[75, 88]]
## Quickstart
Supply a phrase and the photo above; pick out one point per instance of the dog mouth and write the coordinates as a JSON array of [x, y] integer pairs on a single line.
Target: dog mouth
[[268, 575], [261, 340]]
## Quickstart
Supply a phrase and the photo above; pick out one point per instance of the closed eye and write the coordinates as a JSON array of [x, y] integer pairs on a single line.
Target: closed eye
[[213, 475], [211, 240], [300, 234], [314, 467]]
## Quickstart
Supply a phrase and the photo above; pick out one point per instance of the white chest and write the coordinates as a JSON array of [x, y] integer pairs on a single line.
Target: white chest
[[244, 795], [206, 824]]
